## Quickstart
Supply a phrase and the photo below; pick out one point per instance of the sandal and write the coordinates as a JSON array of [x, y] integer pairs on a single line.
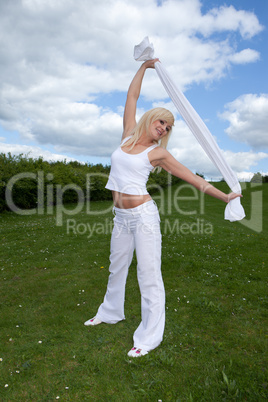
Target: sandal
[[93, 321], [136, 352]]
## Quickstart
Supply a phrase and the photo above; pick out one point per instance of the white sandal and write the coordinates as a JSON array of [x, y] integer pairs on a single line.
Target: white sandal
[[136, 352], [93, 321]]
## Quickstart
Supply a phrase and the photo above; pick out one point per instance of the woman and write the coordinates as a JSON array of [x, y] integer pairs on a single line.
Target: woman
[[136, 222]]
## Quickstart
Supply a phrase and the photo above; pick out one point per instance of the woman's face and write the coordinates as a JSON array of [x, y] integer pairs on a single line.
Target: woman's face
[[159, 129]]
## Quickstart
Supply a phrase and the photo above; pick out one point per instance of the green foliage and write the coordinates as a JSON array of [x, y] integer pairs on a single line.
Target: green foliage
[[257, 178], [200, 175], [34, 181], [26, 179]]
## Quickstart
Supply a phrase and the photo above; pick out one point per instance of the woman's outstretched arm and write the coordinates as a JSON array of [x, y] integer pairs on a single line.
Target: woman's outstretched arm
[[164, 159], [133, 94]]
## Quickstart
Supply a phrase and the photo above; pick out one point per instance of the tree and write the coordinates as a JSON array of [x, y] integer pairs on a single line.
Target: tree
[[257, 178]]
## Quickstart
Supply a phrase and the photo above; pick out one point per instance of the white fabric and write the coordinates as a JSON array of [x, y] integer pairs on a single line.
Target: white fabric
[[144, 51], [234, 210], [130, 172], [137, 228]]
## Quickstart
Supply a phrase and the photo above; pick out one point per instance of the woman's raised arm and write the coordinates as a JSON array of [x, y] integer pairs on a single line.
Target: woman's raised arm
[[129, 121]]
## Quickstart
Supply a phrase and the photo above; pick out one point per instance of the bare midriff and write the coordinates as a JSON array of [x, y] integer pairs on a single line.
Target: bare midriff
[[126, 201]]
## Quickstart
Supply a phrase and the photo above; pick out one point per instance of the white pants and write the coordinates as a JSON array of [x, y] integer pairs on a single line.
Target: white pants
[[137, 228]]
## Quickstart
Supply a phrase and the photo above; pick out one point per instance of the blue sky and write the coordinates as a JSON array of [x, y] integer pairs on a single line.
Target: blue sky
[[66, 66]]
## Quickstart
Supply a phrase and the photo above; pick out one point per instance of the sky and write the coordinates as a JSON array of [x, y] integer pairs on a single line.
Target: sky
[[66, 65]]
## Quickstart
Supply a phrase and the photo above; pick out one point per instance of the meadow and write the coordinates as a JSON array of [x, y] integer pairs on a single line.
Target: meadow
[[53, 278]]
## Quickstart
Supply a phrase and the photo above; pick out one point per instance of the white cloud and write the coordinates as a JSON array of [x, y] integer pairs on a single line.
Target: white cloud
[[229, 19], [33, 152], [240, 161], [245, 56], [248, 120], [186, 149], [78, 128], [244, 176]]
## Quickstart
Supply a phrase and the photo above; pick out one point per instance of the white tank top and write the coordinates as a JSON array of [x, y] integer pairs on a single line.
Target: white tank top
[[130, 172]]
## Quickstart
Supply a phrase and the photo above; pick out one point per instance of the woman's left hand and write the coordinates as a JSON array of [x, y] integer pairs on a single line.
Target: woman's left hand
[[232, 196]]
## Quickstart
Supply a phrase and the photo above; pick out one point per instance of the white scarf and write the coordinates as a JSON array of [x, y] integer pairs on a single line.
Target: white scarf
[[234, 210]]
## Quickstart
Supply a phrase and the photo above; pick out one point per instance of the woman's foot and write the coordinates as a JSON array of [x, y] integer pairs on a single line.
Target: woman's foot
[[93, 321], [136, 352]]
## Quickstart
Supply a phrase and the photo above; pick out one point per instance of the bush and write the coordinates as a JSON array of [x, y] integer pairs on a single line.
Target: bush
[[59, 181], [257, 178]]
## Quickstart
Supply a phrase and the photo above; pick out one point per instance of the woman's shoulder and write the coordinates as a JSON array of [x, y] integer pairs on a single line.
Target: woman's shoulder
[[125, 139], [160, 152]]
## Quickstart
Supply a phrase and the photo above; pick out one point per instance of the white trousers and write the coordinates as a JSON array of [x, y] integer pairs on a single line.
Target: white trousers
[[137, 228]]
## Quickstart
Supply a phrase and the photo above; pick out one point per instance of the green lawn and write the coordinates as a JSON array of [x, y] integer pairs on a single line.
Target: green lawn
[[215, 275]]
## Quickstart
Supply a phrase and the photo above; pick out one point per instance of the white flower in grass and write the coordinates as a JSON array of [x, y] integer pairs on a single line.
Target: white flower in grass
[[39, 341], [1, 359], [6, 385], [57, 397]]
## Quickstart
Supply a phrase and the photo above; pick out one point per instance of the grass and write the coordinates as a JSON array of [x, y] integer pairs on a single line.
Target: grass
[[214, 347]]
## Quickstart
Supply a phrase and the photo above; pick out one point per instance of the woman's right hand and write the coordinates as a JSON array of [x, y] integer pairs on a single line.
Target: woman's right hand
[[150, 63]]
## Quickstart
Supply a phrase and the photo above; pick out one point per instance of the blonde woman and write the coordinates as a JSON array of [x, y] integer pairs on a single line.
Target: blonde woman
[[137, 222]]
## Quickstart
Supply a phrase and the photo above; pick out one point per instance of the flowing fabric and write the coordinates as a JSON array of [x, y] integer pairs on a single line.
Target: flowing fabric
[[234, 210]]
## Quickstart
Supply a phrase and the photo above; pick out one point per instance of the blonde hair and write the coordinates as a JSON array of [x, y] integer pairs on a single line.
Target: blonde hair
[[158, 113]]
